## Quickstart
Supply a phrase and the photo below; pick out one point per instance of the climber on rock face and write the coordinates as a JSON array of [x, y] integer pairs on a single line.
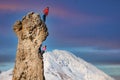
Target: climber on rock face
[[45, 11], [43, 50]]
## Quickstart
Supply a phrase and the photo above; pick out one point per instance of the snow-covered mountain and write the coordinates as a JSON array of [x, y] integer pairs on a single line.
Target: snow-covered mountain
[[63, 65]]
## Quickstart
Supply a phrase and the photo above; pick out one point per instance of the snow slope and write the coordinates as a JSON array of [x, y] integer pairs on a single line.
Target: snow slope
[[7, 75], [63, 65]]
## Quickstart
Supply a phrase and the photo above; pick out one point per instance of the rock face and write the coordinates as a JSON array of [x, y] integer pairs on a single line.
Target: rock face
[[31, 32]]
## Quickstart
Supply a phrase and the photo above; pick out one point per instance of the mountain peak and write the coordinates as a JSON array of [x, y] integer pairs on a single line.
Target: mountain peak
[[63, 65]]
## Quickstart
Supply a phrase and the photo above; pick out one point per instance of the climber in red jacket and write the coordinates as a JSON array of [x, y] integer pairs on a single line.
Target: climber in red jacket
[[45, 11]]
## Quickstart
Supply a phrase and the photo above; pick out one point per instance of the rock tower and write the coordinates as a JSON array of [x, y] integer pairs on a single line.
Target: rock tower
[[31, 32]]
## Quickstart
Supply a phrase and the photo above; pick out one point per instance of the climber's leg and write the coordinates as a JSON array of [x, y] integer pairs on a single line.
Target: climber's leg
[[42, 53], [44, 17]]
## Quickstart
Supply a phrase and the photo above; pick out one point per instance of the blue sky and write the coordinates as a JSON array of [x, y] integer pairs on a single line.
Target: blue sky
[[88, 28]]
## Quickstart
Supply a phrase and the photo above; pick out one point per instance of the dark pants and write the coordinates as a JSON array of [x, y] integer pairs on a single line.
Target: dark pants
[[44, 17], [42, 52]]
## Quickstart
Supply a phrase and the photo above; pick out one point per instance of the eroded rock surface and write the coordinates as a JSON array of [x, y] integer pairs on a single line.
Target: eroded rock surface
[[31, 32]]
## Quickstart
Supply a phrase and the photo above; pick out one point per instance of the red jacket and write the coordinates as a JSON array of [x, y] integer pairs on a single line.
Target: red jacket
[[46, 10]]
